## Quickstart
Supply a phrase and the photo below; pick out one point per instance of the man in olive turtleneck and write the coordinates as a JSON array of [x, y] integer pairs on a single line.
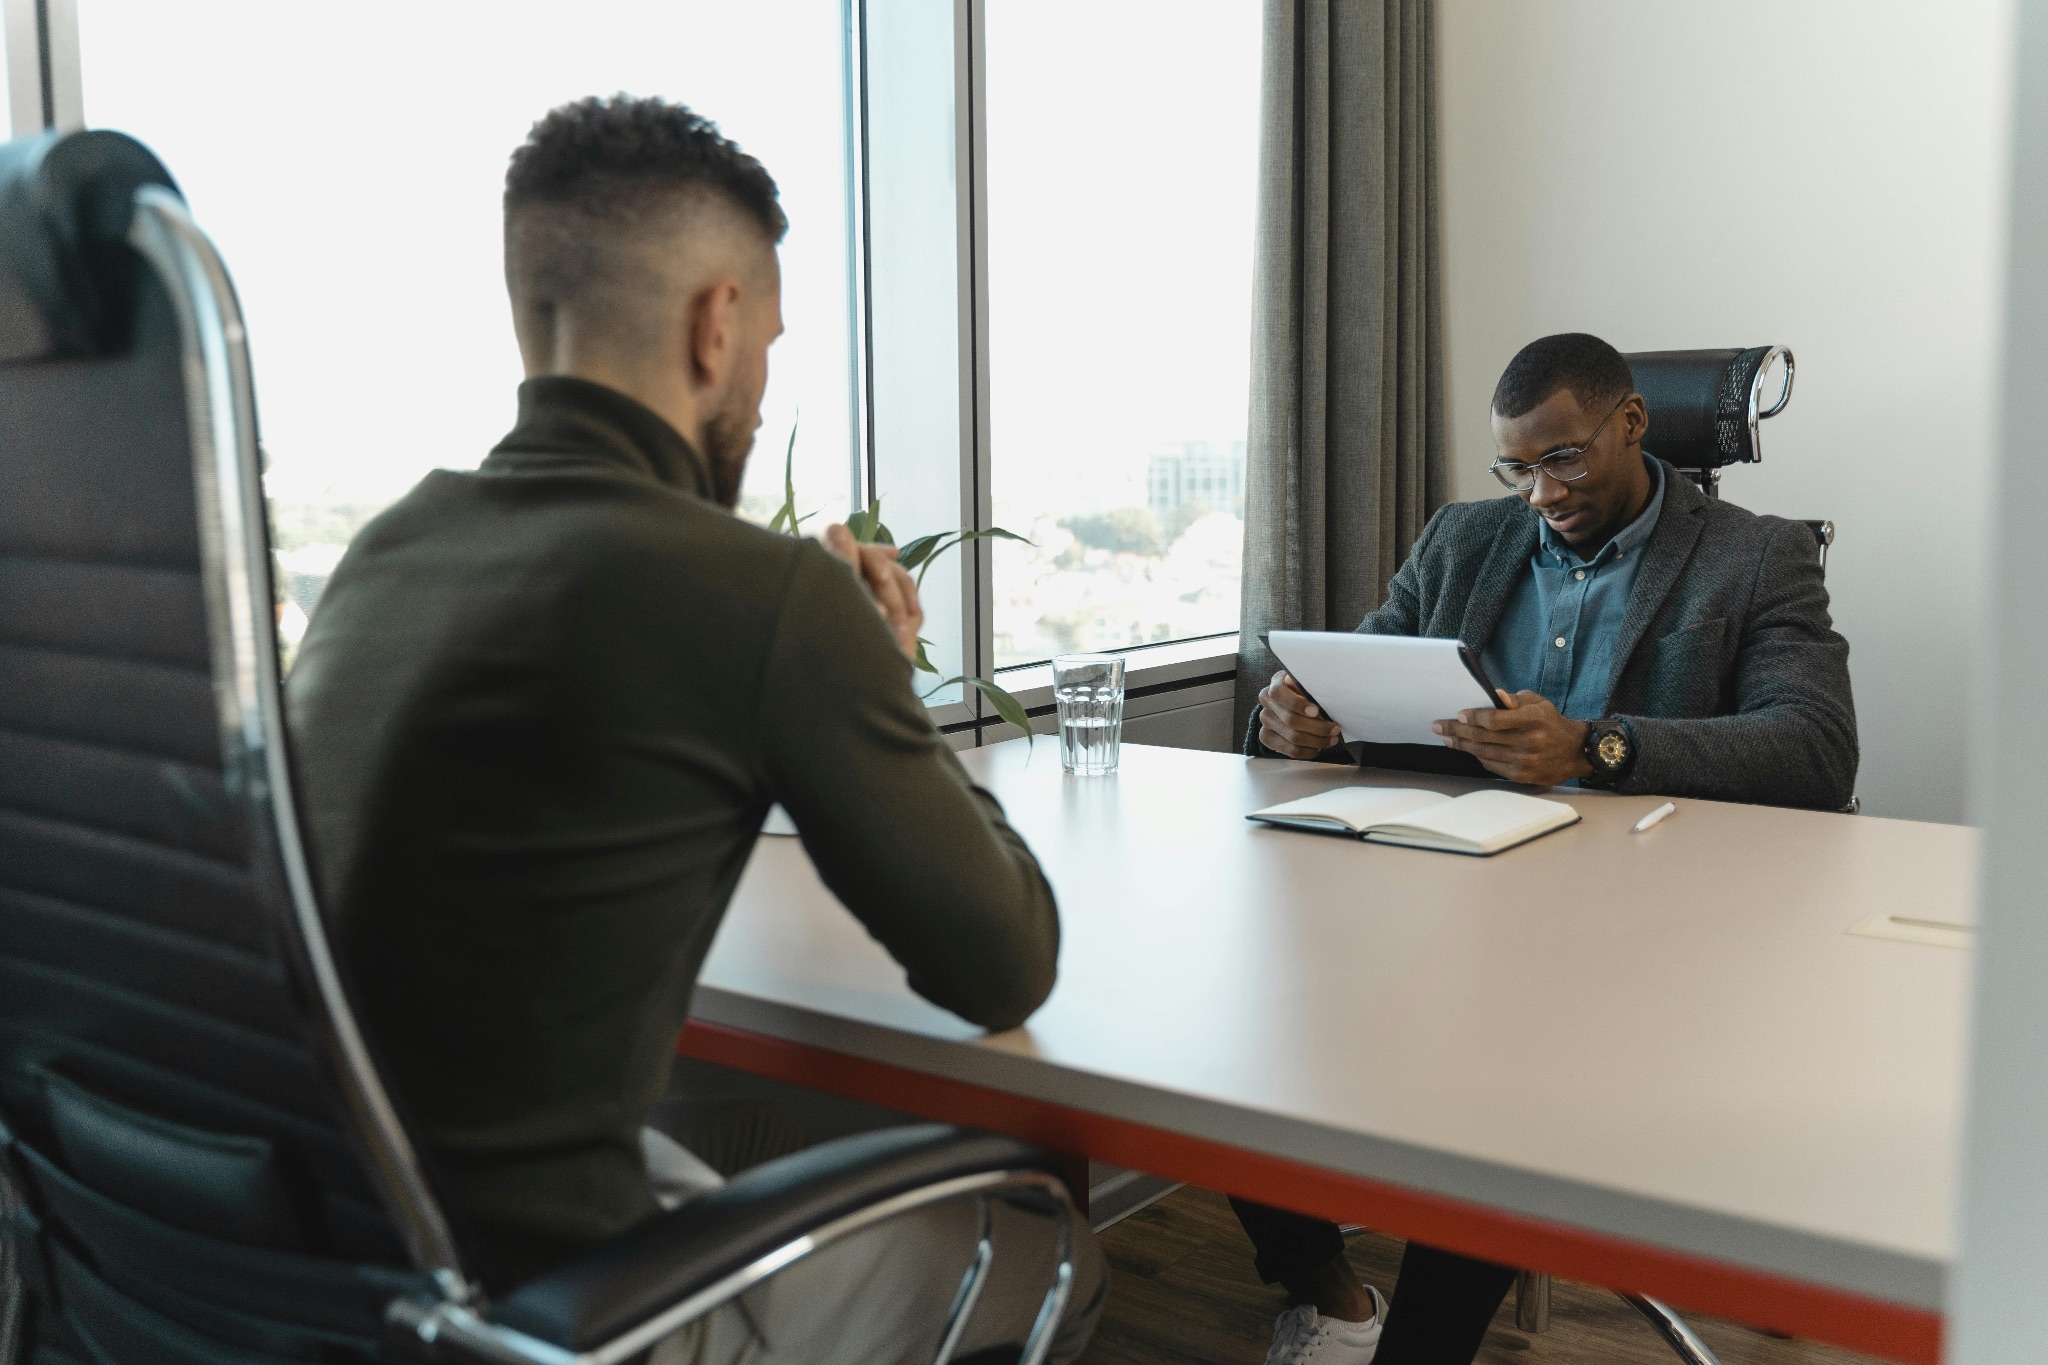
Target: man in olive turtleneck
[[544, 706]]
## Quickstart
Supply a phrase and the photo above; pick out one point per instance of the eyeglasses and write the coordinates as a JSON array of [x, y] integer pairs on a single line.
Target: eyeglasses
[[1564, 466]]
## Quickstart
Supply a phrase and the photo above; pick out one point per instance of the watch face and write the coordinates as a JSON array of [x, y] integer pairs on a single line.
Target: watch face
[[1612, 749]]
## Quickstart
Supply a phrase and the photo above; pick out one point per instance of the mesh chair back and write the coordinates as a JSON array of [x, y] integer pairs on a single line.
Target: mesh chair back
[[1705, 405], [193, 1189]]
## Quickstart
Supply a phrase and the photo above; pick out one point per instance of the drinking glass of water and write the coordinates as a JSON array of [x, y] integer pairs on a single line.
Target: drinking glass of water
[[1089, 689]]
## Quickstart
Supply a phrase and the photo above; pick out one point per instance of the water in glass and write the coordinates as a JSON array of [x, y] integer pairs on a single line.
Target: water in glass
[[1089, 690]]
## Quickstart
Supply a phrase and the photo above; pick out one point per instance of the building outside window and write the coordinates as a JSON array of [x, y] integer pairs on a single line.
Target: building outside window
[[1122, 152]]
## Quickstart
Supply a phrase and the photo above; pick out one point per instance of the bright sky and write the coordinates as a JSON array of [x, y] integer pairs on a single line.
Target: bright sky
[[1122, 152], [348, 161]]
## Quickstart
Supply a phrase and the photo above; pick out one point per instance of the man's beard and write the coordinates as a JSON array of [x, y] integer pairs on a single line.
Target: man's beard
[[727, 439]]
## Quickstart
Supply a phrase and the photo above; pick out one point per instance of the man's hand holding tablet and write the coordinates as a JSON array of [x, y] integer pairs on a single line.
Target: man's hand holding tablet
[[1526, 740], [1290, 724]]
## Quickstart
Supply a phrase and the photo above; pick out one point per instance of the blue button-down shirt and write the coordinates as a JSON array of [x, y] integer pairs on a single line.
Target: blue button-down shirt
[[1558, 634]]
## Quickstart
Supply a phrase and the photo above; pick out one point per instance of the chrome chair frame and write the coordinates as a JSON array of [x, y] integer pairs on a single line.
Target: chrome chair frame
[[234, 547], [1532, 1314], [1709, 479], [459, 1325]]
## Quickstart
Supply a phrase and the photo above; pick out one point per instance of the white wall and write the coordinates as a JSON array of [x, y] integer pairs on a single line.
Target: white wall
[[1829, 175]]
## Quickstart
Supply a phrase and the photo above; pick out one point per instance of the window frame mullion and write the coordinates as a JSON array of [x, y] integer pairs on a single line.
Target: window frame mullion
[[976, 482]]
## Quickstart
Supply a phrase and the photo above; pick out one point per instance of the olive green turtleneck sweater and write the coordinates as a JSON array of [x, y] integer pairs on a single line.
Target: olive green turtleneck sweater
[[539, 715]]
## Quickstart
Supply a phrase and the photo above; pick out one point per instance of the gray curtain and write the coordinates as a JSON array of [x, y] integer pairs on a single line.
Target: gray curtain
[[1345, 452]]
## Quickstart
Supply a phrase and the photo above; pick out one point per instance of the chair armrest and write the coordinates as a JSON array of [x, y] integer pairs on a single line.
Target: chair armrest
[[623, 1284]]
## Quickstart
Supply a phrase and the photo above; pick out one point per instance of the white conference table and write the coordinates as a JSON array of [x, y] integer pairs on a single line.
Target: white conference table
[[1656, 1062]]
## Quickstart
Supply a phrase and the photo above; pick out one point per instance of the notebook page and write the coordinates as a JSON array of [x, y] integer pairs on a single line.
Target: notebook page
[[1487, 819], [1357, 807]]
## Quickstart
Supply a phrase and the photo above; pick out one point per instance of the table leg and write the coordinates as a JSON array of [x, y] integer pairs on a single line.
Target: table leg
[[1532, 1301]]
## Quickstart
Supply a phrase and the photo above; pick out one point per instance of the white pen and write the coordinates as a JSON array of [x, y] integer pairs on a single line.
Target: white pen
[[1653, 817]]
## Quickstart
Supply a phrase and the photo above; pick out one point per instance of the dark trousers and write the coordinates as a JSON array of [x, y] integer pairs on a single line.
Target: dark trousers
[[1443, 1302]]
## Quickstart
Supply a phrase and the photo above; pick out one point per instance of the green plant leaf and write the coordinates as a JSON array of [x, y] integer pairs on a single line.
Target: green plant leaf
[[866, 525], [931, 557], [922, 663], [939, 544], [1007, 706], [785, 519], [917, 551]]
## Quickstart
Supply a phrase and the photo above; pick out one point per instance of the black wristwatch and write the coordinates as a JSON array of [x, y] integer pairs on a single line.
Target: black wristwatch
[[1611, 750]]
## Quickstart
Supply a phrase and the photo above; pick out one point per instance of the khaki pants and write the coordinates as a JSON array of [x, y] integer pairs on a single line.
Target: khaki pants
[[883, 1295]]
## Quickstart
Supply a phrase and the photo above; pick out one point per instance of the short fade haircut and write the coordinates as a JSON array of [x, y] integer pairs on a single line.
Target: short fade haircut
[[1588, 366], [595, 199], [609, 156]]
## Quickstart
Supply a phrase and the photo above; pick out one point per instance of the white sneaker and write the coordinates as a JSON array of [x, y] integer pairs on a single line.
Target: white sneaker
[[1302, 1336]]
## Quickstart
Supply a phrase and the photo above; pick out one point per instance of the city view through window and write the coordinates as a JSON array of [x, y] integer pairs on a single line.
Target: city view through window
[[1122, 152]]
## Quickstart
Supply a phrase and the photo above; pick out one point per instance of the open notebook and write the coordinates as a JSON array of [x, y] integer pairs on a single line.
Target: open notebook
[[1480, 822]]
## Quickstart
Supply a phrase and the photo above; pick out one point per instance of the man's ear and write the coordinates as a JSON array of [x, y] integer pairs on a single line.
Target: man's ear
[[1635, 420], [712, 335]]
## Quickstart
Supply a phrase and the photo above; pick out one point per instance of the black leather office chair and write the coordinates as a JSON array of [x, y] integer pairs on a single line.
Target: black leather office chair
[[1705, 406], [1705, 409], [199, 1162]]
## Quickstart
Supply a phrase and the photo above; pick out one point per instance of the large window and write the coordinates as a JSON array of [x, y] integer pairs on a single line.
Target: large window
[[348, 160], [1017, 281], [1122, 144]]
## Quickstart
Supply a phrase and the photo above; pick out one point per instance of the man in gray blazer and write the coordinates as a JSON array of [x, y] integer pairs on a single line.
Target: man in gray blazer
[[1644, 638]]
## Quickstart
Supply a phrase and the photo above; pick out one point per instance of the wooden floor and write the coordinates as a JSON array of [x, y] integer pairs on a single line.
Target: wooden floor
[[1182, 1292]]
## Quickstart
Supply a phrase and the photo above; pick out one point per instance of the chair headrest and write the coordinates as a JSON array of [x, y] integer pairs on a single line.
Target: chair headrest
[[1704, 405], [66, 271]]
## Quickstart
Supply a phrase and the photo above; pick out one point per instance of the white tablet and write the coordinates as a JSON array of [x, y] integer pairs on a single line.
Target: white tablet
[[1384, 689]]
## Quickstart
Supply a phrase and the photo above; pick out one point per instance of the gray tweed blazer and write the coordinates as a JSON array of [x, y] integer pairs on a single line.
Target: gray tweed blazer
[[1732, 675]]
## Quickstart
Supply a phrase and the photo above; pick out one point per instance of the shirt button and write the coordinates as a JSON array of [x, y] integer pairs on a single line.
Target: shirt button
[[1580, 574], [1559, 642]]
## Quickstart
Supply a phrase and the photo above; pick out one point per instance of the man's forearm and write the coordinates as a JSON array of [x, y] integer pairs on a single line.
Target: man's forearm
[[1774, 758]]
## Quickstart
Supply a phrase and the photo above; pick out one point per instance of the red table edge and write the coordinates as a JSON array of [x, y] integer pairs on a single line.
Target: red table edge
[[1760, 1299]]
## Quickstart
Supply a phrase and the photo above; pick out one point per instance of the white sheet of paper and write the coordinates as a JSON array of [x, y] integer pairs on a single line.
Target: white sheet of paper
[[1385, 689]]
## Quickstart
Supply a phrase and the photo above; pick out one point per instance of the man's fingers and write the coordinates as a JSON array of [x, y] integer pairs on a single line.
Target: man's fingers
[[1283, 696], [1508, 767], [906, 591], [1282, 744], [1300, 729], [1463, 735], [1303, 729], [889, 585], [1520, 718], [1297, 700], [896, 597]]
